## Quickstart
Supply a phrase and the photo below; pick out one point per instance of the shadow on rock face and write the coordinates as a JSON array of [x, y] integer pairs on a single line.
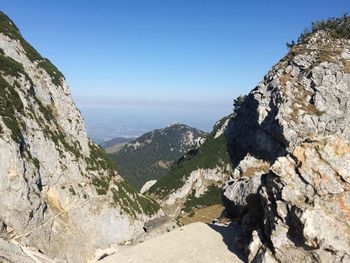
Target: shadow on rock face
[[229, 234], [245, 135]]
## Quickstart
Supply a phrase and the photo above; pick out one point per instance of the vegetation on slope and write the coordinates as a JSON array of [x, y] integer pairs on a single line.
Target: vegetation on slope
[[337, 27], [131, 202], [150, 156], [212, 153], [13, 111], [209, 198], [10, 106], [9, 29], [125, 196]]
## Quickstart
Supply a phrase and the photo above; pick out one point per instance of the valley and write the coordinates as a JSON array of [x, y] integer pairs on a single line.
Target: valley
[[150, 156], [269, 183]]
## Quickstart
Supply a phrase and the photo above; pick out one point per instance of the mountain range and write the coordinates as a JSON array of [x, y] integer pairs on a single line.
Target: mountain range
[[150, 156], [280, 164], [195, 178]]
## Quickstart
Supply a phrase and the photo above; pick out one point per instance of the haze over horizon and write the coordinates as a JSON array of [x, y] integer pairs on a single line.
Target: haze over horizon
[[134, 66]]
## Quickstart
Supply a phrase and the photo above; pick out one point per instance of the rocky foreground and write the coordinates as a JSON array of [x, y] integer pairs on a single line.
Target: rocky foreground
[[195, 243], [284, 155], [290, 146]]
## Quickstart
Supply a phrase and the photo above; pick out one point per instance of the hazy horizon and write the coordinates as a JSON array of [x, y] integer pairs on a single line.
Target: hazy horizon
[[105, 123], [164, 61]]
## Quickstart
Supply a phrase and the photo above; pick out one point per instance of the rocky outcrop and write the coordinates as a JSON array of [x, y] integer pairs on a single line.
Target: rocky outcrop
[[199, 173], [198, 184], [147, 186], [58, 191], [289, 144]]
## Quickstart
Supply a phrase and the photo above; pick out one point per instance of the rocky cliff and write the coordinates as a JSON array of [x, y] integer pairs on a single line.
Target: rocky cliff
[[58, 191], [289, 145]]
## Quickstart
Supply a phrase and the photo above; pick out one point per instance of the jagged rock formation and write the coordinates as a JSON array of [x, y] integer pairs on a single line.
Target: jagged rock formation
[[150, 156], [58, 191], [197, 176], [289, 144]]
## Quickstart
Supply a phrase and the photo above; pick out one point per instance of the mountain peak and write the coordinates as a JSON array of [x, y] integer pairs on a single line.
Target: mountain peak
[[155, 151]]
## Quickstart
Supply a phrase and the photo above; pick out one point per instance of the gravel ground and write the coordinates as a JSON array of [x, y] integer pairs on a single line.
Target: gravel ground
[[193, 243]]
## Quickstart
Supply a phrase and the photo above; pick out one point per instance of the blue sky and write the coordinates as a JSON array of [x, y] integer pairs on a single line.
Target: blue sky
[[162, 54]]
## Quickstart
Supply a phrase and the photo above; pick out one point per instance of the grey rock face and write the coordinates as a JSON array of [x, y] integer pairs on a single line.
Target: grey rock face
[[58, 192], [296, 122], [241, 193], [13, 252], [10, 253]]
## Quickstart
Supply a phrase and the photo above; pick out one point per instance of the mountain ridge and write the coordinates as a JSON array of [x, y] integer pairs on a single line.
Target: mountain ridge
[[114, 141], [149, 156], [196, 177], [289, 145], [58, 188]]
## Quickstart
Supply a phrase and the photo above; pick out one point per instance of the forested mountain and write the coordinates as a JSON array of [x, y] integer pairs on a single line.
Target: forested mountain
[[150, 156], [195, 178]]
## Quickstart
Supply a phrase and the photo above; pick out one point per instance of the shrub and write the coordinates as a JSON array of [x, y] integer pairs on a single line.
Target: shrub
[[209, 198], [337, 27], [10, 106], [8, 28], [238, 102]]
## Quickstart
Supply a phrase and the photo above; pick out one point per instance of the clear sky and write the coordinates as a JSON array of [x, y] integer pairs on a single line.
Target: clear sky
[[162, 54]]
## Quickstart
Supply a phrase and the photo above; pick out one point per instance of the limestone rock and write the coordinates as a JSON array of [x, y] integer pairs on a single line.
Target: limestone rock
[[58, 191], [296, 125], [198, 182], [147, 186], [13, 252], [203, 168], [241, 193]]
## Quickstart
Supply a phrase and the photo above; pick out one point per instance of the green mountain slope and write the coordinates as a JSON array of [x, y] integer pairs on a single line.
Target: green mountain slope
[[150, 156], [210, 161]]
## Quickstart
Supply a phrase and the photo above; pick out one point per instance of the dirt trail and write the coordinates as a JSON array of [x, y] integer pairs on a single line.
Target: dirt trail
[[193, 243]]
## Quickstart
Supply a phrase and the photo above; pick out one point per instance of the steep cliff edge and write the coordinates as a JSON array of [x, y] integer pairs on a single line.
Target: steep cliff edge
[[59, 192], [289, 145]]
